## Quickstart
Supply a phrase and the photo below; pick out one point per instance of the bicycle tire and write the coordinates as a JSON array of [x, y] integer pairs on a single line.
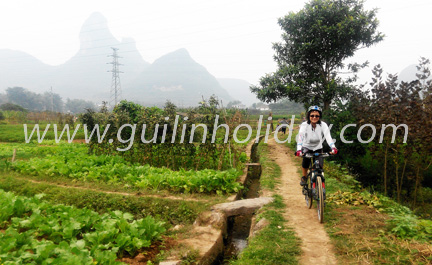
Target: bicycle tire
[[320, 202], [308, 195]]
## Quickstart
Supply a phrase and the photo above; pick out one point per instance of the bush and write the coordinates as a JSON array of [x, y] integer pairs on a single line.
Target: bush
[[10, 106]]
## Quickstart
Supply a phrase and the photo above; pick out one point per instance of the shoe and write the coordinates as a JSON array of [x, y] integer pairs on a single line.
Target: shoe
[[305, 190], [303, 181]]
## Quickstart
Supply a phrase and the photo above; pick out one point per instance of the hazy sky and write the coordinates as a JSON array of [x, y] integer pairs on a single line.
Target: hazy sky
[[230, 38]]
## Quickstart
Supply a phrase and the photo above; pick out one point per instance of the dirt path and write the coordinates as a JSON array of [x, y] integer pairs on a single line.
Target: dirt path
[[316, 245]]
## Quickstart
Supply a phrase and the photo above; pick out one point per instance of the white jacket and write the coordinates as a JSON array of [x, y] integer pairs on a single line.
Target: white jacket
[[312, 139]]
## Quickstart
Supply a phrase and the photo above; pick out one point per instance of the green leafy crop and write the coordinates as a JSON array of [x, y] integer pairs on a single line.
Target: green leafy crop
[[40, 233], [73, 161]]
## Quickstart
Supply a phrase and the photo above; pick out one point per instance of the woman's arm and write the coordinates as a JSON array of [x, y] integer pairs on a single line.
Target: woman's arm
[[301, 136], [327, 135]]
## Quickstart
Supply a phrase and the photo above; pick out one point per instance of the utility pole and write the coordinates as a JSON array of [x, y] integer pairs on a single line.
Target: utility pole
[[52, 101], [115, 93]]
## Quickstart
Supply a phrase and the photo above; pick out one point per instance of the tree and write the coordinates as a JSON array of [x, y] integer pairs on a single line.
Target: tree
[[34, 101], [20, 96], [233, 103], [78, 105], [10, 106], [286, 107], [3, 98], [51, 102], [393, 103], [316, 41]]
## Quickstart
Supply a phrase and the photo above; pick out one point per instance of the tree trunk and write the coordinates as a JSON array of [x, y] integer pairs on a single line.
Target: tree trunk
[[416, 187], [402, 176], [385, 169], [397, 181], [326, 105]]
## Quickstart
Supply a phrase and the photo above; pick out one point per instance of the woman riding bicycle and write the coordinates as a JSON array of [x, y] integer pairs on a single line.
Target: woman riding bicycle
[[310, 139]]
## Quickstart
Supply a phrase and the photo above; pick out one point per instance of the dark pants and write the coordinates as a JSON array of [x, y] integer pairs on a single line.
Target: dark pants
[[306, 161]]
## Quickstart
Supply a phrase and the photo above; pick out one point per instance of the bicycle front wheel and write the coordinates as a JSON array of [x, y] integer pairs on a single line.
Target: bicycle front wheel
[[308, 192], [320, 202]]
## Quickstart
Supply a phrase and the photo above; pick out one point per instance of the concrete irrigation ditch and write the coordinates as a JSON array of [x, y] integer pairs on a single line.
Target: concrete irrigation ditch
[[223, 231]]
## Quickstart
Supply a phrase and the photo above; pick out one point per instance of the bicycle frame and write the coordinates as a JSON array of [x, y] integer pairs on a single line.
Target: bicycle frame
[[315, 181]]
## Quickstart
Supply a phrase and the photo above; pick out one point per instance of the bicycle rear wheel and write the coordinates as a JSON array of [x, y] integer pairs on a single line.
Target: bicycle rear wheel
[[308, 192], [320, 202]]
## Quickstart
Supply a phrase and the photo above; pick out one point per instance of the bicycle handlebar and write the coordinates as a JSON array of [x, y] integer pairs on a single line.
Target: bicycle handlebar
[[311, 155]]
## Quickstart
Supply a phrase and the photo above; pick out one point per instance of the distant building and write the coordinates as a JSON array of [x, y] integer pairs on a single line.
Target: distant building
[[262, 107]]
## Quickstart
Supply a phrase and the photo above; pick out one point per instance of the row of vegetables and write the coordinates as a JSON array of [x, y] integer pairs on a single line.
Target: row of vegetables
[[35, 232], [73, 161]]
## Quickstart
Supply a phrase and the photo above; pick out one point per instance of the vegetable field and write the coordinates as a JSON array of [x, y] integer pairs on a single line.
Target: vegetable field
[[72, 161], [78, 203], [38, 232]]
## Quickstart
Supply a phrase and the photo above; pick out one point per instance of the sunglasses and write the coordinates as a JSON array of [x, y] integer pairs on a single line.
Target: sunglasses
[[314, 116]]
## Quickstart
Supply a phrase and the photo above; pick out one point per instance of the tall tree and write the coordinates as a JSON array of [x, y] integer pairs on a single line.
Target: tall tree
[[316, 41], [52, 102], [402, 145], [233, 103], [78, 105]]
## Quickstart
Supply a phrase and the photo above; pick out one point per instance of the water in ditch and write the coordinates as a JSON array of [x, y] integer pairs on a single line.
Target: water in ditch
[[237, 240], [239, 227]]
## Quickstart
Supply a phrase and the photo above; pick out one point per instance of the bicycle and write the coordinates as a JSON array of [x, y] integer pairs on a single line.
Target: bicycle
[[315, 181]]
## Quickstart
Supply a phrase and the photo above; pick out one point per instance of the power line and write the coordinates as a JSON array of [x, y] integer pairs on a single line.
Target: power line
[[188, 43]]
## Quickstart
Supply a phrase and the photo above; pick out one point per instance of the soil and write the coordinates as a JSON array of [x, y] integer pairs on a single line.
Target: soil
[[150, 253], [315, 242], [362, 224]]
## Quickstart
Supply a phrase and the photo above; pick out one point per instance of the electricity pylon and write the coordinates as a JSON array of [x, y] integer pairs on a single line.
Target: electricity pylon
[[115, 94]]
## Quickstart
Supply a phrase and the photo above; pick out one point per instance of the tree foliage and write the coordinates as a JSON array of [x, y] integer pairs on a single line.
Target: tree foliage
[[286, 107], [78, 105], [316, 42], [47, 101], [10, 106], [389, 162]]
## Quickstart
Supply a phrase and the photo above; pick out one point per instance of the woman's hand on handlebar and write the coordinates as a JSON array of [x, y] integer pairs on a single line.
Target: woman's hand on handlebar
[[334, 151], [299, 153]]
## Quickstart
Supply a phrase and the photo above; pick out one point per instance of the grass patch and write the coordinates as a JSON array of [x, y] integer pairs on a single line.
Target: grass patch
[[26, 151], [366, 228], [360, 236], [276, 243], [271, 171], [15, 132]]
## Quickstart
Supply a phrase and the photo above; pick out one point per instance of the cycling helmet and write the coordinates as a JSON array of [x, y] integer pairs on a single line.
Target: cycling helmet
[[313, 108]]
